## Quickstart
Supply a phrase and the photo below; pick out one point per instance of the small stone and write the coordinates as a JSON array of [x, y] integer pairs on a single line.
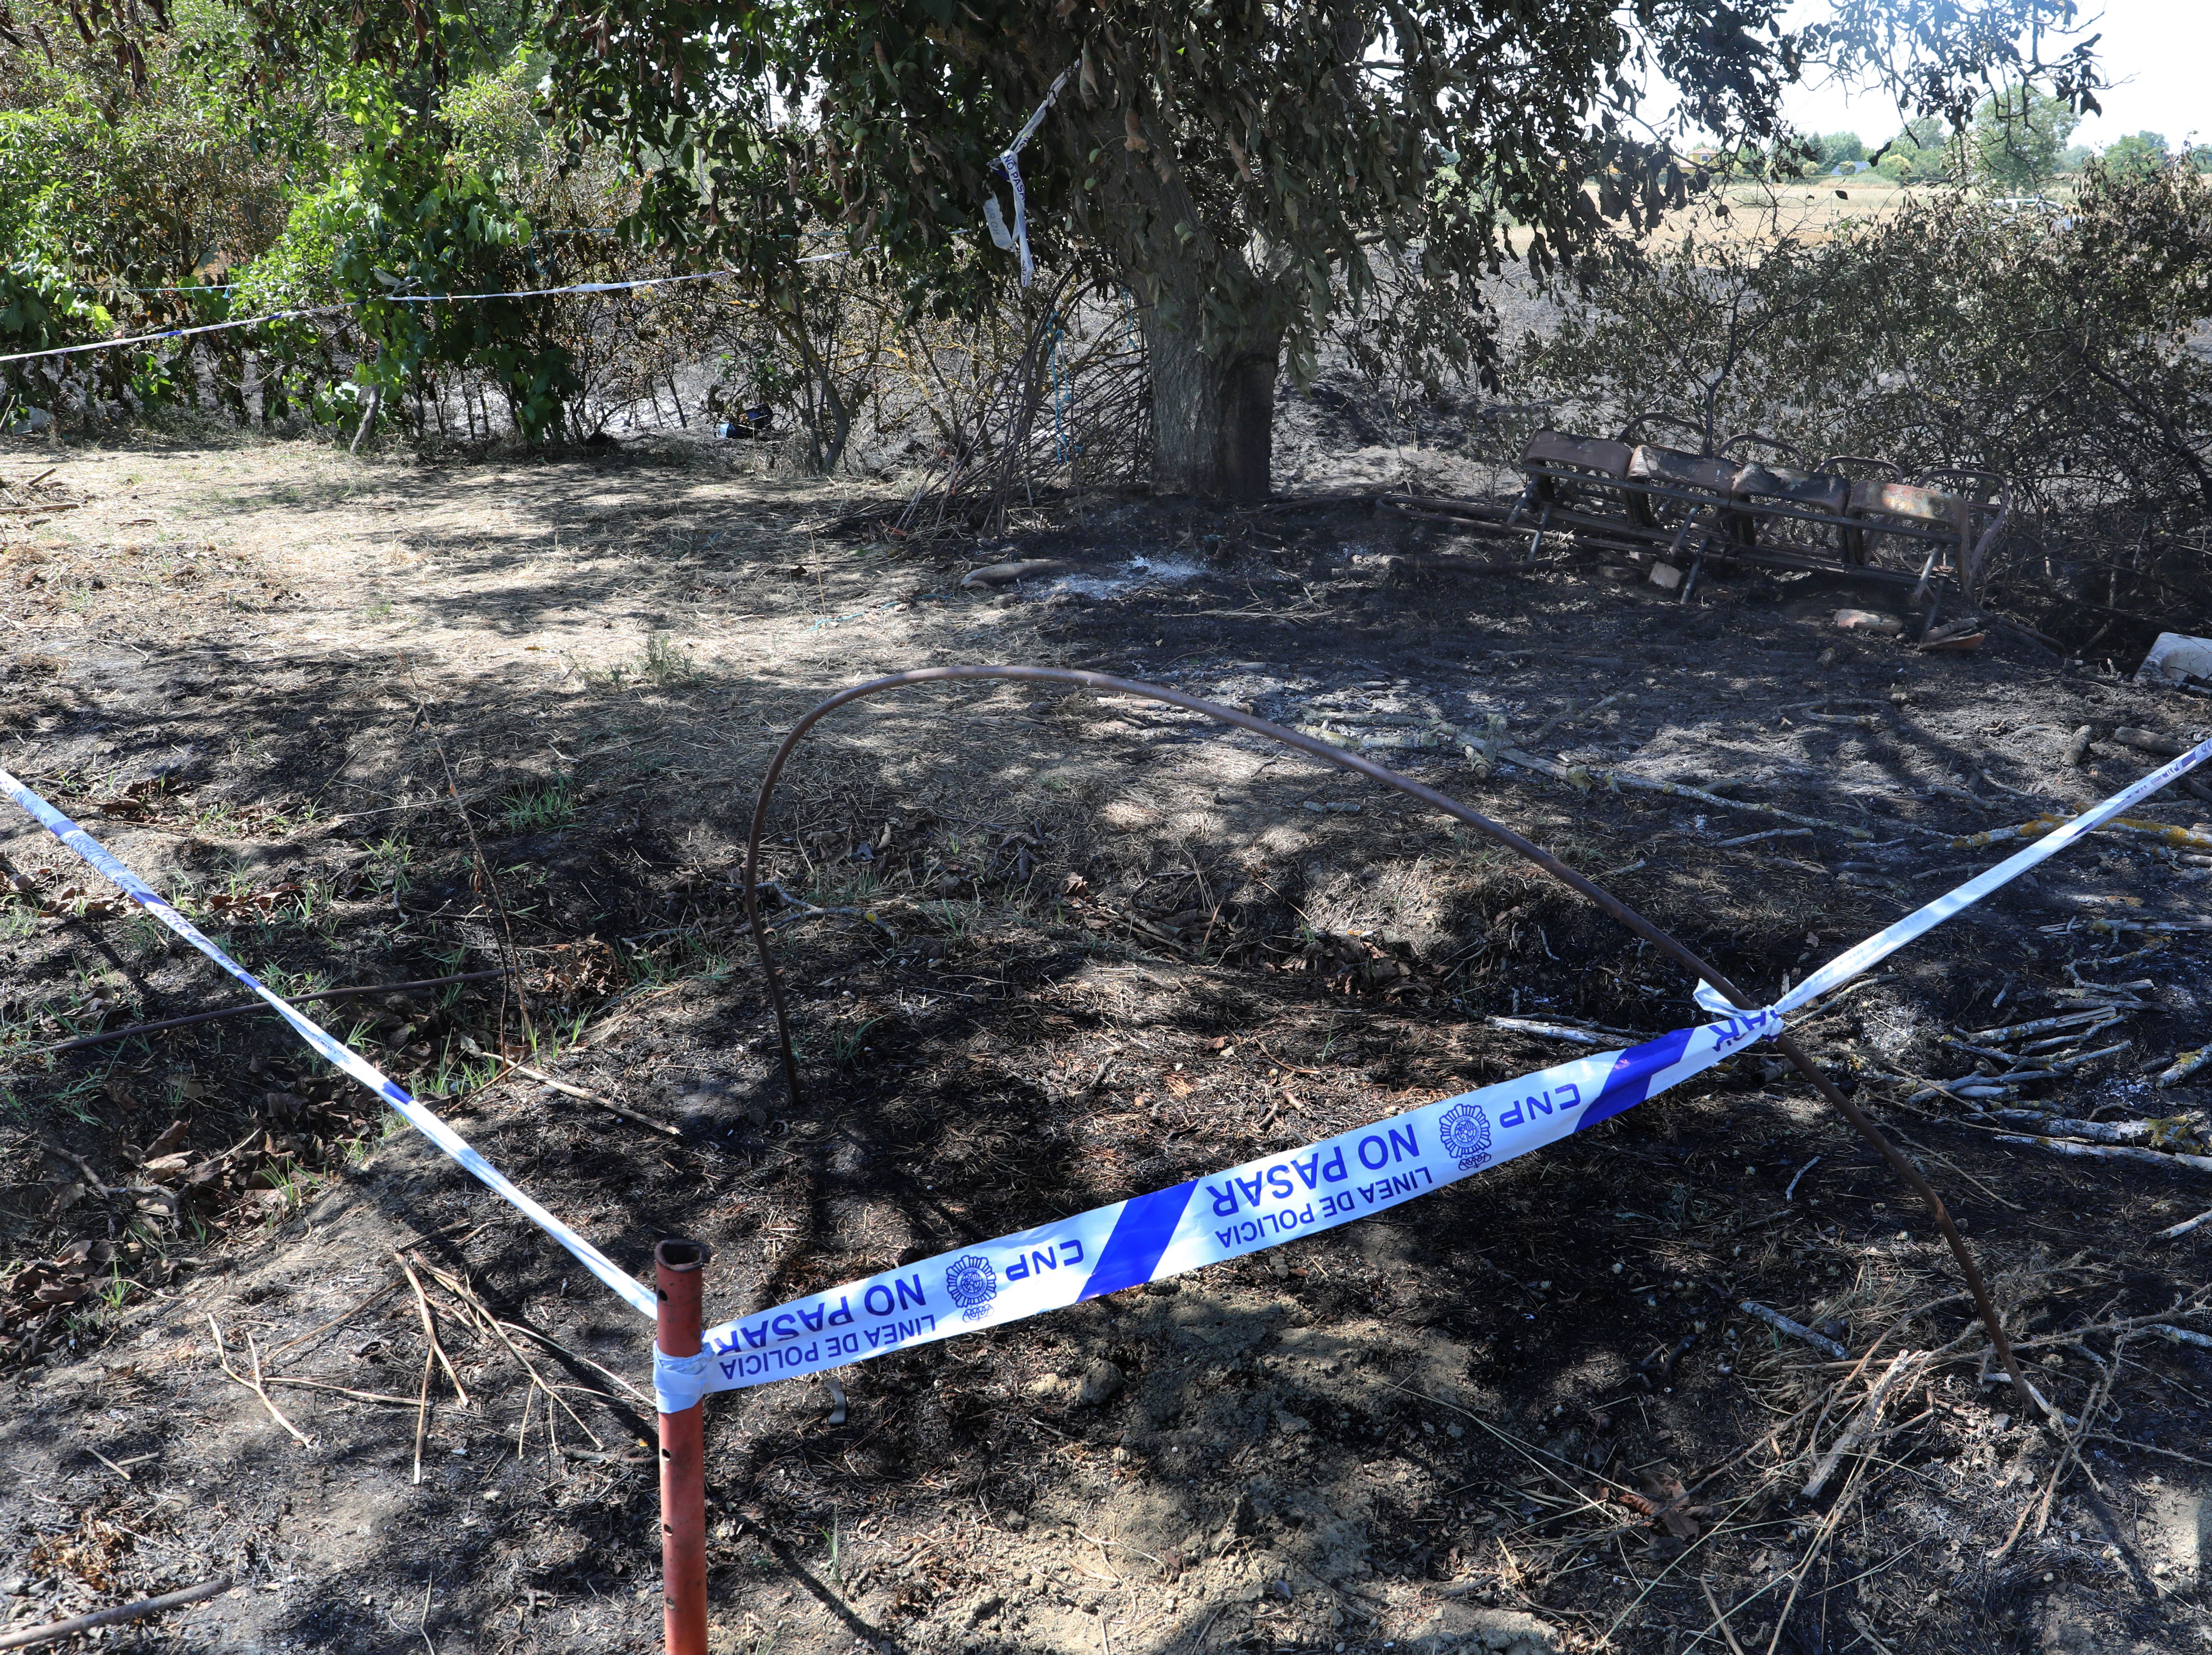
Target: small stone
[[1045, 1386], [13, 1586], [1102, 1382], [1292, 1423], [491, 1495]]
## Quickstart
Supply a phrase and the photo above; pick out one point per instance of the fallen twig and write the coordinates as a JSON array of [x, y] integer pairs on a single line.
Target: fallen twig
[[2109, 1151], [423, 1412], [1754, 839], [460, 1291], [24, 1638], [430, 1330], [555, 1344], [339, 1390], [2184, 1227], [255, 1383], [1549, 1031], [339, 1320], [125, 1033], [2076, 1021], [610, 1106], [82, 1166], [1869, 1414], [1720, 1617], [2184, 1065], [1781, 1324], [1577, 776], [2180, 1335], [2093, 1131]]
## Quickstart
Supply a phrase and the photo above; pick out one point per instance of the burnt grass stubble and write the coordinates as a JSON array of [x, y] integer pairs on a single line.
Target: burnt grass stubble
[[1404, 1429]]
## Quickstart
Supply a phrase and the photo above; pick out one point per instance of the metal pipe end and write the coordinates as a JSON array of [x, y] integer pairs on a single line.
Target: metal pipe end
[[682, 1256]]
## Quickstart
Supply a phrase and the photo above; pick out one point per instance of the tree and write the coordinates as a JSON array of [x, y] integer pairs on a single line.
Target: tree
[[2139, 155], [1921, 153], [2017, 137], [1841, 146], [1242, 168]]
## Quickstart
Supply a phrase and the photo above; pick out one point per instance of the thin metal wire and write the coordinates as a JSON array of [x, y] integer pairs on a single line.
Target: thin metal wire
[[1612, 907]]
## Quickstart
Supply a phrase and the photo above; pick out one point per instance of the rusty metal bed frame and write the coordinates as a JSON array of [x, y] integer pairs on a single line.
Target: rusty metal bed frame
[[1725, 508]]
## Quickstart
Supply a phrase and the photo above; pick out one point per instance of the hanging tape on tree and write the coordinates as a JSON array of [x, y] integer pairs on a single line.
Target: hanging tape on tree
[[1009, 164]]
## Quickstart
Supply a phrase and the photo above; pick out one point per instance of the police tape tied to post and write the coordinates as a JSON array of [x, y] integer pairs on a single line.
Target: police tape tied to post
[[1243, 1210]]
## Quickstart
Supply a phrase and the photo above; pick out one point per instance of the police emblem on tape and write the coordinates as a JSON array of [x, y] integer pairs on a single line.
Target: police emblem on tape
[[972, 1284], [1464, 1131]]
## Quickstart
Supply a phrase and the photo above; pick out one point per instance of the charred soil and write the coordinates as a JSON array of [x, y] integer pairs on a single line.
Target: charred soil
[[376, 723]]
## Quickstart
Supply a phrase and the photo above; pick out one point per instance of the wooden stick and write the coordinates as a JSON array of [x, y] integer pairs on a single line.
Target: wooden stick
[[477, 1305], [254, 1384], [610, 1106], [1720, 1617], [109, 1618], [1870, 1415], [572, 1356], [1781, 1324], [339, 1390], [340, 1320], [166, 1023], [422, 1411], [430, 1331]]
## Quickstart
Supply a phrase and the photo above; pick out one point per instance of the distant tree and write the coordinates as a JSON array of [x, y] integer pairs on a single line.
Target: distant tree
[[2017, 137], [2139, 155], [1922, 152], [2074, 157], [1841, 146]]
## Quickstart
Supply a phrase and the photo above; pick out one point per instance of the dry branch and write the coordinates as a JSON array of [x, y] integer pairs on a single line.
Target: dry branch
[[255, 1383], [27, 1636], [1869, 1414], [1781, 1324]]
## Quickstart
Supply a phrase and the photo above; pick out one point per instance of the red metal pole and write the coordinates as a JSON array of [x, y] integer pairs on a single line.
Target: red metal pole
[[678, 1270]]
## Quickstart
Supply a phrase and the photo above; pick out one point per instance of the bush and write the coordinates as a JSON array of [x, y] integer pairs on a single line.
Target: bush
[[2058, 350]]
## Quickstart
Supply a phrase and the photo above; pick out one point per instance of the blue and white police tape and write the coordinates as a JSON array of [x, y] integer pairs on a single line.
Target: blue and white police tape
[[554, 292], [1264, 1203], [1918, 924], [1009, 164], [639, 1296], [1246, 1209], [392, 298], [173, 333]]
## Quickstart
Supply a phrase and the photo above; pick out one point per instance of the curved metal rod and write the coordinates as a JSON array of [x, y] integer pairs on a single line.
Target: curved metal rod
[[1611, 906], [1797, 457]]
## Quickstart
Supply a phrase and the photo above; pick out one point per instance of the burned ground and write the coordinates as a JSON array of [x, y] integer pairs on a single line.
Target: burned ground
[[383, 721]]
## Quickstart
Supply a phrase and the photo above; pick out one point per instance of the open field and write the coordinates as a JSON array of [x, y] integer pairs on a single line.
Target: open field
[[382, 720]]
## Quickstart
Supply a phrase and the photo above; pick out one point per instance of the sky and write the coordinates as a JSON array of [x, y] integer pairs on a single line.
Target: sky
[[2158, 53]]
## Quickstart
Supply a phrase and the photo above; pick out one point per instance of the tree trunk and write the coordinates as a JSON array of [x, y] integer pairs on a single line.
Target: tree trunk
[[1213, 417], [1213, 409]]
